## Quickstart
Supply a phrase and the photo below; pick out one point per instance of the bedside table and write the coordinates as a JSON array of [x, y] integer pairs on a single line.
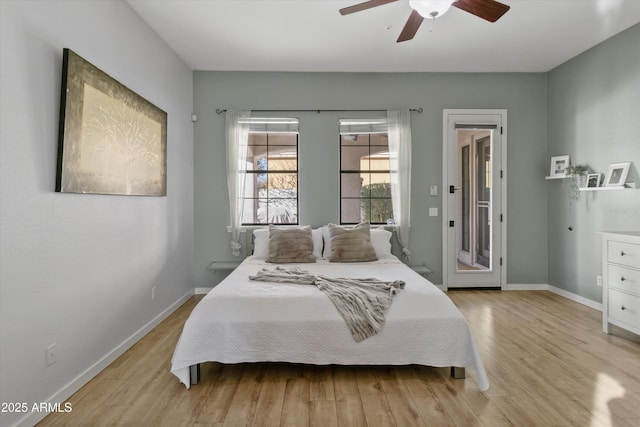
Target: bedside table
[[421, 269], [223, 265]]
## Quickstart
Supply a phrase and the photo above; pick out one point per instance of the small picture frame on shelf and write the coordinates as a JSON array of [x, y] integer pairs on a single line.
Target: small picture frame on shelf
[[559, 166], [617, 174], [593, 180]]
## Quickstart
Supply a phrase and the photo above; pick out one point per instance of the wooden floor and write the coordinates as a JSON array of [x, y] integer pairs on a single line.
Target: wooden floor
[[549, 364]]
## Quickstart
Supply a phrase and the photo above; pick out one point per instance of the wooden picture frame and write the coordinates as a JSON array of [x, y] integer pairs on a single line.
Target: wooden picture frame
[[617, 174], [111, 140]]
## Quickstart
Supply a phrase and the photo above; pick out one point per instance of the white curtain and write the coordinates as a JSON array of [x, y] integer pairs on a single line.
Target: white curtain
[[400, 165], [237, 139]]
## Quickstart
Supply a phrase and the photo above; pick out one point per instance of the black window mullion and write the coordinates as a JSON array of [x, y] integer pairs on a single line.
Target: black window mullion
[[268, 172], [368, 198]]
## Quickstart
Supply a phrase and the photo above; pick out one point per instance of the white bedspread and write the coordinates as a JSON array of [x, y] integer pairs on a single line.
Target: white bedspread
[[247, 321]]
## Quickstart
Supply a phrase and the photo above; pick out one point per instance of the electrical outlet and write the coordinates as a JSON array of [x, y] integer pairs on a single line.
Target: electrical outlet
[[51, 354], [599, 281], [154, 293], [433, 190]]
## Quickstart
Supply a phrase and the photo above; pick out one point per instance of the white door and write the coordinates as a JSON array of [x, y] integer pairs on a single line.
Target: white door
[[474, 198]]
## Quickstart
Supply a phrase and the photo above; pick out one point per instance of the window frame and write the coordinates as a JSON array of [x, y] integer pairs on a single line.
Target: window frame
[[256, 172], [361, 171]]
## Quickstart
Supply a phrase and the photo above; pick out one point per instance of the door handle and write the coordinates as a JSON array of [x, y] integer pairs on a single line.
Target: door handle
[[453, 189]]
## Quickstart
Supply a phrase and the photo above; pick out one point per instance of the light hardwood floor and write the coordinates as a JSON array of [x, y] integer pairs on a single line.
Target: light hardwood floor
[[548, 361]]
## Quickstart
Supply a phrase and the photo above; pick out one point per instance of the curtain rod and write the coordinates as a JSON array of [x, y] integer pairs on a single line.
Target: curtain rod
[[220, 111]]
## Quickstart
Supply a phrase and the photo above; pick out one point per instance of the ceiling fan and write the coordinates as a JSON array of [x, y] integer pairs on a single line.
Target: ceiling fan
[[490, 10]]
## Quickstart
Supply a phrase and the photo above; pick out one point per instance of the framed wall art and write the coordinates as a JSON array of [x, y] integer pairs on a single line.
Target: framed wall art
[[593, 180], [616, 174], [559, 166], [111, 140]]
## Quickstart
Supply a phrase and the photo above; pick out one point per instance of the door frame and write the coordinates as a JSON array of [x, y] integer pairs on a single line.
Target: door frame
[[447, 216]]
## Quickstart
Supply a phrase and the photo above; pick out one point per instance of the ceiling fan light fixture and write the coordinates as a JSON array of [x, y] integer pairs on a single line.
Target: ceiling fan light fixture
[[430, 8]]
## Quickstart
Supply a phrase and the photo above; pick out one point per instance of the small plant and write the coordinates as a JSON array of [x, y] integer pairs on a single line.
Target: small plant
[[576, 170], [574, 174]]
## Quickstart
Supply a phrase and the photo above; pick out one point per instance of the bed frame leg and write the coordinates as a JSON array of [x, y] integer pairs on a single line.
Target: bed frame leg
[[457, 372], [194, 373]]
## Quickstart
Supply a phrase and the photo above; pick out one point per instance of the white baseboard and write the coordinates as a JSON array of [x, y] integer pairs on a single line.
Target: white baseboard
[[526, 287], [67, 391], [202, 291], [576, 298], [555, 290]]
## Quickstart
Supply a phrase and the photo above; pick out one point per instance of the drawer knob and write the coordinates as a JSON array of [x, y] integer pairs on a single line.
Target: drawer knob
[[622, 307], [622, 279], [622, 253]]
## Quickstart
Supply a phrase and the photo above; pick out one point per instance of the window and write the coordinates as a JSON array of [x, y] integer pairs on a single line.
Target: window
[[271, 182], [365, 176]]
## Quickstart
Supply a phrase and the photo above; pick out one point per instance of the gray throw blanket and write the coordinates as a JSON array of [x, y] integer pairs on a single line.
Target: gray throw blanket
[[361, 302]]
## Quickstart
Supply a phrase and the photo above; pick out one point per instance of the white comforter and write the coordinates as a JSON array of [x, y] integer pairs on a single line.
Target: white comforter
[[247, 321]]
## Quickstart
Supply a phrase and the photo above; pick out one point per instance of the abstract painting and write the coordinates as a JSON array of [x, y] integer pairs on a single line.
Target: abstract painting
[[111, 140]]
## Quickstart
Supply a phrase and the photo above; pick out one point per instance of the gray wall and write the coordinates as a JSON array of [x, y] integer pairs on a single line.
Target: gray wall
[[523, 95], [77, 270], [593, 115]]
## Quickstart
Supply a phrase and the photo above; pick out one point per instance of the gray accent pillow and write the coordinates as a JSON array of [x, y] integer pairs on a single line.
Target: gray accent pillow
[[287, 245], [351, 244]]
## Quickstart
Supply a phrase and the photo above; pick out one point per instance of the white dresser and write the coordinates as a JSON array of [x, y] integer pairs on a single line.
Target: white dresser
[[621, 280]]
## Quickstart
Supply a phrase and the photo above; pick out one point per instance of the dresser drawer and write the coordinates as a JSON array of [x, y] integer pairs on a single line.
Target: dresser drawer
[[623, 278], [624, 308], [624, 253]]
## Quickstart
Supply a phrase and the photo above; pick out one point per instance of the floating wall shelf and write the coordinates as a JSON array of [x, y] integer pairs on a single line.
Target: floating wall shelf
[[559, 177], [627, 186]]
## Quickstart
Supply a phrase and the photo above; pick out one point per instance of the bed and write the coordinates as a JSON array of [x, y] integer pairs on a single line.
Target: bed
[[243, 320]]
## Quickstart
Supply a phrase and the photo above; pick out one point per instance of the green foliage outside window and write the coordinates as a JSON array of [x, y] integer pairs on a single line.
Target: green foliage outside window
[[375, 203]]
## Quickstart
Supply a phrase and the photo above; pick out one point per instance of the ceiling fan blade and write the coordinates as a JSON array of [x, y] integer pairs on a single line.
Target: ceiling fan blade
[[364, 6], [411, 27], [490, 10]]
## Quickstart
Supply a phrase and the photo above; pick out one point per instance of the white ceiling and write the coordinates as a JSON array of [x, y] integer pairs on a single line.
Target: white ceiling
[[310, 35]]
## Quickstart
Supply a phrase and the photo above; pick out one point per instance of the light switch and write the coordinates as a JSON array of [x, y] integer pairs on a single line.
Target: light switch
[[433, 211], [433, 190]]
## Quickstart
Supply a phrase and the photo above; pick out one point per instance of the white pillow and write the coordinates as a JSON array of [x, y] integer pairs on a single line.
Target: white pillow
[[380, 239], [316, 235], [261, 242], [326, 237]]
